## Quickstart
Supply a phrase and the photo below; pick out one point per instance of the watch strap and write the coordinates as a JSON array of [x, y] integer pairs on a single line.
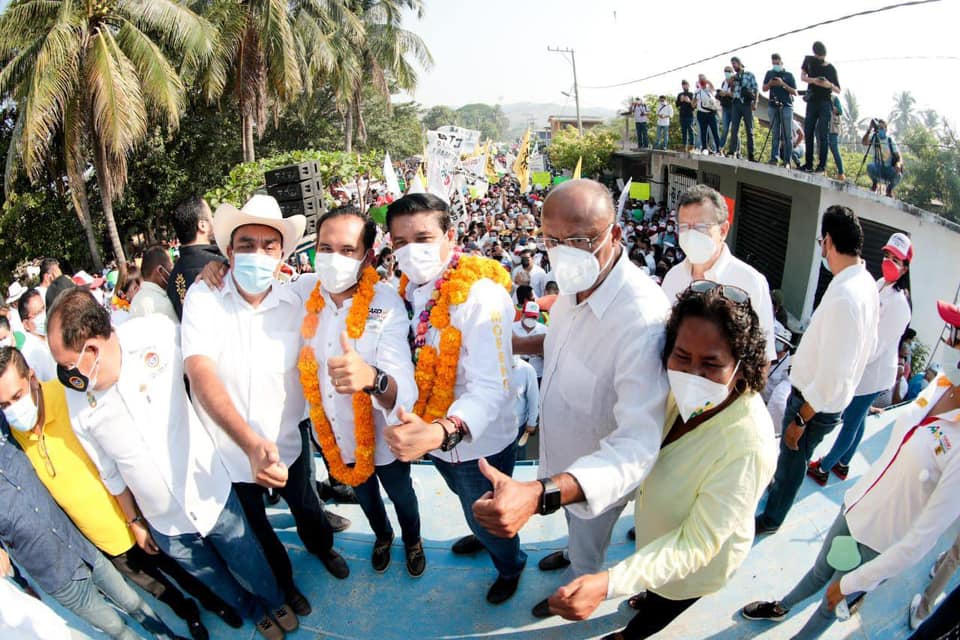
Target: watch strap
[[550, 498]]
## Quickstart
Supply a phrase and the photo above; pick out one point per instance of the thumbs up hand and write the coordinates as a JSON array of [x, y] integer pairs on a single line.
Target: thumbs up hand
[[413, 438], [348, 373], [504, 510]]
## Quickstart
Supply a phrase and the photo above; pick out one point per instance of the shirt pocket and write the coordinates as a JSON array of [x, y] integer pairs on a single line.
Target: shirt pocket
[[277, 351], [578, 385]]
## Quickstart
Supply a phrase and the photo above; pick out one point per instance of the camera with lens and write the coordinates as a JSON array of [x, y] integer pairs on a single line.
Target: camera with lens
[[776, 103], [874, 123]]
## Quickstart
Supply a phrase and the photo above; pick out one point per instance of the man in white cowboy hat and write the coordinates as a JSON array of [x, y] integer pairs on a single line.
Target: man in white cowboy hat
[[240, 346]]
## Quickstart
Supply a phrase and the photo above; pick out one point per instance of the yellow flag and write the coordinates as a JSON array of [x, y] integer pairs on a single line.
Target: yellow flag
[[576, 172], [492, 176], [521, 166]]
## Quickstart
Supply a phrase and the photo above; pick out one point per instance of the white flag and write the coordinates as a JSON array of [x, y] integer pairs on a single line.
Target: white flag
[[390, 177], [416, 185], [624, 194]]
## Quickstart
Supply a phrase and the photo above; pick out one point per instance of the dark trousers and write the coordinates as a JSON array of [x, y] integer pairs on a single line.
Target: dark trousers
[[708, 124], [686, 131], [655, 613], [300, 494], [395, 478], [742, 112], [792, 465], [643, 139], [942, 623], [816, 126], [465, 480]]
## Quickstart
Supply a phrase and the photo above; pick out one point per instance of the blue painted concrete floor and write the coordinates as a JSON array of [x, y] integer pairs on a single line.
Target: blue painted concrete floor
[[448, 600]]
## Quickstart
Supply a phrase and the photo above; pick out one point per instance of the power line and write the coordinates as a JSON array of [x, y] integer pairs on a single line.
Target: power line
[[781, 35]]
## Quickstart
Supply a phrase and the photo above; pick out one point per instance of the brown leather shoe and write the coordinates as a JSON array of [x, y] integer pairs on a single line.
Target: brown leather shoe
[[286, 619], [267, 628]]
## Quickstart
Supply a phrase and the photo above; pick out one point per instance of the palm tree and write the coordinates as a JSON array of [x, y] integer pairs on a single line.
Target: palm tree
[[903, 114], [851, 117], [930, 119], [91, 72]]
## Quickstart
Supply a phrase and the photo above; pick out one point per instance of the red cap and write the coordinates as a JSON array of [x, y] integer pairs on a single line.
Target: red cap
[[899, 245], [949, 312], [531, 310]]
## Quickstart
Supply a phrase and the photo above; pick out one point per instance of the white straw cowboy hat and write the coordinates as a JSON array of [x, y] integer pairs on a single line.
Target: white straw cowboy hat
[[262, 210]]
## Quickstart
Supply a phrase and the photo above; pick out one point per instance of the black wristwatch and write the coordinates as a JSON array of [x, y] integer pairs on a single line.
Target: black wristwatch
[[550, 500], [381, 382], [451, 438]]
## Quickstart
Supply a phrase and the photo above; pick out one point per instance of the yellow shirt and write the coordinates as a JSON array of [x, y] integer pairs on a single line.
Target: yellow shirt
[[71, 477]]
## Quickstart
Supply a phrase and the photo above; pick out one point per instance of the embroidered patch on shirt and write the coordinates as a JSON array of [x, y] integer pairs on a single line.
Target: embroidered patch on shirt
[[151, 359], [943, 441]]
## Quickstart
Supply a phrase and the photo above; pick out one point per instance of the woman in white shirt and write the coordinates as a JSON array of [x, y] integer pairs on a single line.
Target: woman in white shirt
[[881, 372], [707, 107], [898, 510]]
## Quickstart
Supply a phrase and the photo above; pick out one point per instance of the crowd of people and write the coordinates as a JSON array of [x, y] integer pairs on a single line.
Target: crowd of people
[[717, 113], [148, 420]]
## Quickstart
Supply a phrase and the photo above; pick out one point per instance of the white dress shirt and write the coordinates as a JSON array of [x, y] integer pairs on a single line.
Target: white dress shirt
[[482, 391], [255, 351], [383, 345], [539, 329], [910, 495], [37, 354], [23, 617], [538, 278], [152, 299], [728, 269], [881, 372], [838, 342], [144, 434], [604, 388], [523, 384]]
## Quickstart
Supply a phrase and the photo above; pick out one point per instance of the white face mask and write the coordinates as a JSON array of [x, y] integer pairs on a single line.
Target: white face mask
[[529, 323], [337, 272], [698, 246], [420, 261], [695, 394], [7, 342], [22, 414], [40, 324], [576, 270]]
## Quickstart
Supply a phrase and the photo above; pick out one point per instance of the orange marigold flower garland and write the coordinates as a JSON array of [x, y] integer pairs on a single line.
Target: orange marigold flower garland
[[436, 371], [363, 425], [119, 303]]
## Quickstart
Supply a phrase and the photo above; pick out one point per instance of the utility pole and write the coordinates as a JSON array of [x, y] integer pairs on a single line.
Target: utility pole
[[576, 87]]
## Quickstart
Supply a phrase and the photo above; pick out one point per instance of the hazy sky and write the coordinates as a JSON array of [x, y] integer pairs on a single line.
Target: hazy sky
[[496, 50]]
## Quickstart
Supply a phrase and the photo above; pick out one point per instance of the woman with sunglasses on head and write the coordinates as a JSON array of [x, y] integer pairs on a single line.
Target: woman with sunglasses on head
[[694, 512], [881, 372]]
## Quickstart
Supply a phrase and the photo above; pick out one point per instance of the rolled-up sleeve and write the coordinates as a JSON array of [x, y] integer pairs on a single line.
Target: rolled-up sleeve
[[393, 358], [486, 329], [626, 455]]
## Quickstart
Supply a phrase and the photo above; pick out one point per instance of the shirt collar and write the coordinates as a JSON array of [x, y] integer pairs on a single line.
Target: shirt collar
[[278, 294], [152, 286], [601, 299], [849, 273], [715, 272]]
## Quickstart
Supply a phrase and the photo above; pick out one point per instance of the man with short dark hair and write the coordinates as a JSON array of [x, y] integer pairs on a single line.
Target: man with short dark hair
[[822, 83], [829, 360], [49, 271], [155, 269], [33, 315], [782, 87], [193, 224], [745, 96], [887, 165], [684, 104]]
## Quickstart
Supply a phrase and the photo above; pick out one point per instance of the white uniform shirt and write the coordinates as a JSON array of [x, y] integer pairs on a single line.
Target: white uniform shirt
[[152, 299], [910, 495], [255, 352], [37, 354], [482, 391], [539, 329], [144, 434], [641, 113], [664, 113], [881, 372], [523, 381], [728, 269], [23, 617], [838, 342], [604, 389], [383, 345]]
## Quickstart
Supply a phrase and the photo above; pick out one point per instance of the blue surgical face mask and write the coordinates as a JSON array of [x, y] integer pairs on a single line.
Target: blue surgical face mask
[[253, 272], [882, 134], [778, 68], [22, 414]]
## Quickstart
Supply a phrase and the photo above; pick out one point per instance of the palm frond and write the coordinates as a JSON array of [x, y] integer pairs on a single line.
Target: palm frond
[[13, 153], [159, 81], [173, 24], [279, 50], [24, 21]]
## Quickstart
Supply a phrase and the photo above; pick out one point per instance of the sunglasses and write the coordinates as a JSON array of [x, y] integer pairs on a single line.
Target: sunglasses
[[729, 292]]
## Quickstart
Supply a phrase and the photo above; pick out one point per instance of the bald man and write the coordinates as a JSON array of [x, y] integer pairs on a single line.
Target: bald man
[[604, 387]]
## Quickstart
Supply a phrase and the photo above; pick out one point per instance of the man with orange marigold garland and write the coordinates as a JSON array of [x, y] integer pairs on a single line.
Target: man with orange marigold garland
[[356, 373], [461, 322], [240, 347]]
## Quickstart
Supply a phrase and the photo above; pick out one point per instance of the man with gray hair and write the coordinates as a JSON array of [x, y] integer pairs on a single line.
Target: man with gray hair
[[703, 226]]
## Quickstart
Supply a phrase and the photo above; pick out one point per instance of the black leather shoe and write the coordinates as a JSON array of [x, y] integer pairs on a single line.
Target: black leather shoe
[[542, 609], [632, 533], [337, 523], [502, 589], [335, 564], [381, 555], [228, 615], [297, 602], [190, 613], [273, 497], [760, 529], [467, 545], [197, 630], [339, 493], [416, 560], [554, 561]]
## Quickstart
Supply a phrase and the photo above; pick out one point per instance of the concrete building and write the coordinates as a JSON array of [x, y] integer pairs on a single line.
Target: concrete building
[[777, 220]]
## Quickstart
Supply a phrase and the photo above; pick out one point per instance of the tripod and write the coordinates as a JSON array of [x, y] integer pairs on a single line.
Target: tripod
[[783, 133], [877, 154]]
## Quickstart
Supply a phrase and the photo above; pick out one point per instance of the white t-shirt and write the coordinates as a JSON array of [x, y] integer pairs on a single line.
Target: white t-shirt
[[664, 113], [641, 113]]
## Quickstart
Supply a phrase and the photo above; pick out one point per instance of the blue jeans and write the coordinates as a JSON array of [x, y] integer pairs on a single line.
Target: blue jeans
[[816, 126], [819, 576], [686, 131], [725, 125], [850, 433], [663, 136], [833, 140], [643, 140], [741, 112], [395, 478], [884, 173], [465, 480], [781, 131], [229, 560], [792, 465], [708, 123], [86, 599]]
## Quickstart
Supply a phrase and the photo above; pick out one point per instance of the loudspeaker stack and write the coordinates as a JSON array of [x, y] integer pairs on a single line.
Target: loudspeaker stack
[[299, 191]]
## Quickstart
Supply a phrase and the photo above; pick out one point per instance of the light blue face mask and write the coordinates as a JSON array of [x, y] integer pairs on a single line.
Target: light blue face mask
[[778, 68], [253, 272]]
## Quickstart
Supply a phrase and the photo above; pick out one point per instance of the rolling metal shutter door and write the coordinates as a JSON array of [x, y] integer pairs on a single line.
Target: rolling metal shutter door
[[763, 225], [679, 180]]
